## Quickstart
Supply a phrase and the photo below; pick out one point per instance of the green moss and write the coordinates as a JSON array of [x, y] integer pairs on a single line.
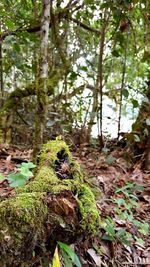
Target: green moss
[[43, 181], [25, 207], [76, 171], [49, 155], [28, 211], [47, 181], [90, 216], [50, 151], [22, 220]]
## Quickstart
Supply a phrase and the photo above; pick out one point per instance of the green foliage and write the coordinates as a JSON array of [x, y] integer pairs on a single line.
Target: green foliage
[[2, 177], [69, 258], [125, 93], [115, 53], [129, 188], [22, 176], [69, 255], [124, 215], [109, 227], [135, 103], [110, 159], [9, 24], [146, 57], [105, 150], [17, 179], [80, 44]]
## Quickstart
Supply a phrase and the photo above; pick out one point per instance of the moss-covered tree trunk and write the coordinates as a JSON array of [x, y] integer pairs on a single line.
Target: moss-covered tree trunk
[[42, 84], [55, 206], [141, 128]]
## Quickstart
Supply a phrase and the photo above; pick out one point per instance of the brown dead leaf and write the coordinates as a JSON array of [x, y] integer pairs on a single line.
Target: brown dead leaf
[[8, 164], [67, 206], [91, 164], [137, 176], [65, 167], [8, 160], [95, 257]]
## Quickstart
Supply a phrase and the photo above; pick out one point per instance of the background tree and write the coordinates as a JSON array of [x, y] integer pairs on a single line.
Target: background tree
[[41, 83], [98, 55]]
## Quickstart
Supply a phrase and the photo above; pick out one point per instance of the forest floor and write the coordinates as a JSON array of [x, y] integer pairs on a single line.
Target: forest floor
[[122, 191]]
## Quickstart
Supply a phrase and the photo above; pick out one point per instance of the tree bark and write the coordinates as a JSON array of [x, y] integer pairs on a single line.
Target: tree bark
[[42, 84], [122, 86], [97, 108], [1, 73], [100, 78], [141, 130]]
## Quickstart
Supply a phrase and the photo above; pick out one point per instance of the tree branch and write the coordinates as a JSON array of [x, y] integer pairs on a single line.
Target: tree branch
[[63, 14], [58, 40], [15, 97], [84, 26]]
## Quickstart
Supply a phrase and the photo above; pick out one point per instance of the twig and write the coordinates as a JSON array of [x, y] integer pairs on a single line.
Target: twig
[[136, 263], [123, 169]]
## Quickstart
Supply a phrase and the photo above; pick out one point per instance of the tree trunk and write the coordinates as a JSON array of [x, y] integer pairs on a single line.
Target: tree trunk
[[100, 77], [1, 73], [97, 108], [55, 206], [147, 158], [41, 85], [122, 86], [1, 86], [141, 128]]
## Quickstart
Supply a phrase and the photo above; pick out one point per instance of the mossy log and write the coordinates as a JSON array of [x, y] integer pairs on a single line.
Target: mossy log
[[55, 206]]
